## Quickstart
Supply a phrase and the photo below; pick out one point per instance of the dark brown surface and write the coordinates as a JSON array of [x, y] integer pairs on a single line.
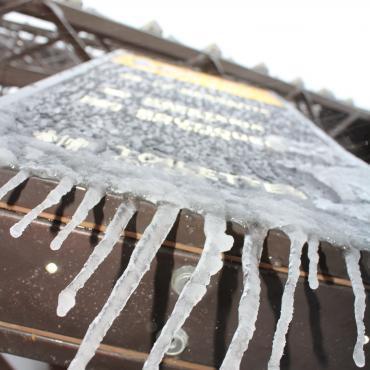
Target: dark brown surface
[[323, 329], [322, 334]]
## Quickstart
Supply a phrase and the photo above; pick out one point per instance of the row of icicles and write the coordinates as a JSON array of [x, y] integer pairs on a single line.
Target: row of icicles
[[209, 264]]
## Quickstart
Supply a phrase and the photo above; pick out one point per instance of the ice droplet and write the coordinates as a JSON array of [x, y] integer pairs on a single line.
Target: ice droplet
[[250, 299], [90, 200], [139, 264], [16, 180], [65, 185], [287, 303], [313, 255], [352, 257], [67, 297], [209, 264]]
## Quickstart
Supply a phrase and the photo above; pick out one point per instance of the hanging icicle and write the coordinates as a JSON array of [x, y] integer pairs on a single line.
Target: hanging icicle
[[67, 297], [313, 255], [250, 299], [15, 181], [209, 264], [297, 239], [139, 264], [54, 197], [352, 257], [90, 200]]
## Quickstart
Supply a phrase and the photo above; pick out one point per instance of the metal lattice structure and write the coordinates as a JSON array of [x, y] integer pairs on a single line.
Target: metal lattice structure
[[71, 36]]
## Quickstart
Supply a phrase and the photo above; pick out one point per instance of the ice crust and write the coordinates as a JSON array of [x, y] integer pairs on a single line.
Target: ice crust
[[293, 150], [139, 264], [209, 264]]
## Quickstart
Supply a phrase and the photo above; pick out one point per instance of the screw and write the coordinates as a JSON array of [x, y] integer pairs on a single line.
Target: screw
[[178, 344], [180, 277]]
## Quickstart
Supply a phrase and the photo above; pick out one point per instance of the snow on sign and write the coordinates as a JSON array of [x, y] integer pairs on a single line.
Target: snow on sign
[[183, 139]]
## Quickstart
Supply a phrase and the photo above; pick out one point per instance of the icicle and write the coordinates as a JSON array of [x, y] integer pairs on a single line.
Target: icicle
[[313, 255], [209, 264], [287, 303], [67, 297], [139, 264], [249, 302], [90, 200], [52, 198], [16, 180], [352, 257]]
